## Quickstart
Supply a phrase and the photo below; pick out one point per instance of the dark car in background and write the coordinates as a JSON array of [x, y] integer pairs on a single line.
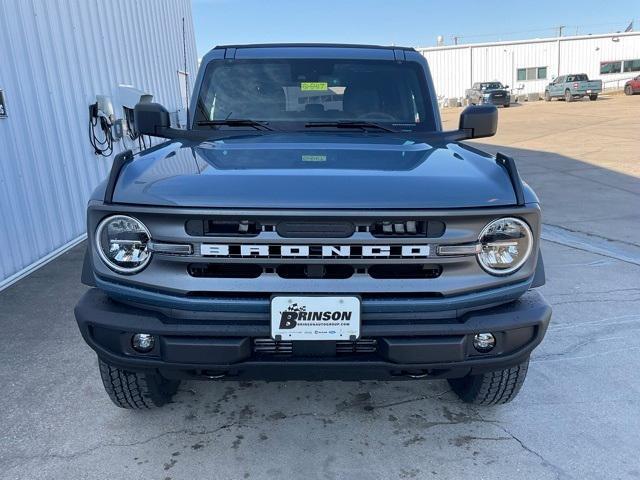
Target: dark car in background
[[632, 86], [489, 93]]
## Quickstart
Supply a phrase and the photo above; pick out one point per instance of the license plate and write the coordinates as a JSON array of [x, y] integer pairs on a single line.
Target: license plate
[[315, 318]]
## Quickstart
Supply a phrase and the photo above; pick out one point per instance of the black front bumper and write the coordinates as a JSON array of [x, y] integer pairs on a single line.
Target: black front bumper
[[225, 349]]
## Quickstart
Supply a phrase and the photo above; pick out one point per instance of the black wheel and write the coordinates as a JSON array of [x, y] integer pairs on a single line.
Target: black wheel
[[593, 97], [628, 90], [136, 390], [547, 96], [506, 105], [491, 388], [567, 96]]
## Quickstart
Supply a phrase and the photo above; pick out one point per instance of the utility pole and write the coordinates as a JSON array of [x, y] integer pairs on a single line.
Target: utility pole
[[455, 40], [560, 29]]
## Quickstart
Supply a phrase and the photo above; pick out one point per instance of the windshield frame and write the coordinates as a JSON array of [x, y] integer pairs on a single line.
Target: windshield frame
[[430, 124]]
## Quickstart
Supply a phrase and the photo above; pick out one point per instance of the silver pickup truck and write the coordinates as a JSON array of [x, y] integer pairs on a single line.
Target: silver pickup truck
[[571, 87]]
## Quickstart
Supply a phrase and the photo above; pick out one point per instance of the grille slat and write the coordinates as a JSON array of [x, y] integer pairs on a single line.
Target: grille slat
[[268, 346]]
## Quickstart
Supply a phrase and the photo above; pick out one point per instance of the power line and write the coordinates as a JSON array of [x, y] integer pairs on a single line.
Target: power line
[[558, 29]]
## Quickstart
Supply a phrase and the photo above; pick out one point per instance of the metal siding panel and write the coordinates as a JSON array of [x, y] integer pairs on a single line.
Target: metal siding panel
[[58, 54], [450, 65]]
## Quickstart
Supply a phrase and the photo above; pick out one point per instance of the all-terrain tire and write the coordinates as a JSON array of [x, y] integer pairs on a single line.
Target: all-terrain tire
[[547, 96], [628, 90], [491, 388], [135, 390], [593, 97], [568, 97]]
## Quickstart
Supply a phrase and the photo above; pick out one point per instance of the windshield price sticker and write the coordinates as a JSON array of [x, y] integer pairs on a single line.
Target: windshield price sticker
[[314, 86]]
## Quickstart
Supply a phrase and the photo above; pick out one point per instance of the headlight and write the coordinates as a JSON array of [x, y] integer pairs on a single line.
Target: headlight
[[505, 244], [122, 243], [486, 95]]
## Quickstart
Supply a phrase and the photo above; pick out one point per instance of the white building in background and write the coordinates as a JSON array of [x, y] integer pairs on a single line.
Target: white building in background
[[56, 56], [529, 65]]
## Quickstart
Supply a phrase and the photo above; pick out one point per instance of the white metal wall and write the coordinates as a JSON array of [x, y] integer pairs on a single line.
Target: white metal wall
[[455, 68], [55, 56]]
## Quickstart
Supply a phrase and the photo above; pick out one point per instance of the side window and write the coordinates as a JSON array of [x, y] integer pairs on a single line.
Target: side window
[[531, 73], [632, 65], [610, 67]]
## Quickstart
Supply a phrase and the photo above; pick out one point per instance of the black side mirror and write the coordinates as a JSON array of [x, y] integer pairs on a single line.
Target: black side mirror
[[151, 119], [479, 121], [506, 87]]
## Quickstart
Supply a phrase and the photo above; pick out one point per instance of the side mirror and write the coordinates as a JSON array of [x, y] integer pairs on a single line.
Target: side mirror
[[479, 121], [506, 86], [151, 119]]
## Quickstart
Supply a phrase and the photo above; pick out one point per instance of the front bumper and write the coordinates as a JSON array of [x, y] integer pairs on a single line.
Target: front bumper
[[496, 101], [224, 348]]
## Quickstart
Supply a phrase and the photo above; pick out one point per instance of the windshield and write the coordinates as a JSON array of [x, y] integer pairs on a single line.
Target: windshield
[[290, 93], [491, 86]]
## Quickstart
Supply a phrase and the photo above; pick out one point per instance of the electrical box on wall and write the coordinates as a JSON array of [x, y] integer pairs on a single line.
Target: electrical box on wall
[[3, 106]]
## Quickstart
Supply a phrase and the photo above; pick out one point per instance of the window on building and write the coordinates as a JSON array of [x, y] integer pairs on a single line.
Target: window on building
[[610, 67], [632, 65], [532, 73]]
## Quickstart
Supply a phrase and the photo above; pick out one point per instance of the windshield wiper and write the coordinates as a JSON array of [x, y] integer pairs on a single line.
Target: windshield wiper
[[349, 124], [235, 122]]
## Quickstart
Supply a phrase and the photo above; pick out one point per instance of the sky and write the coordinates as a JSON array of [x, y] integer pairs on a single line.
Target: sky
[[411, 23]]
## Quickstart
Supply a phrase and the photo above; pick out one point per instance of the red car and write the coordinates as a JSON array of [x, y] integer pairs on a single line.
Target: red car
[[632, 86]]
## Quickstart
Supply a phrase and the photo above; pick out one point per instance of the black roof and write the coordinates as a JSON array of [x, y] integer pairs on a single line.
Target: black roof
[[314, 45]]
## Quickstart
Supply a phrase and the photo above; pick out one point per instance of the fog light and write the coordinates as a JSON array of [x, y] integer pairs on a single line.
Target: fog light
[[484, 342], [143, 342]]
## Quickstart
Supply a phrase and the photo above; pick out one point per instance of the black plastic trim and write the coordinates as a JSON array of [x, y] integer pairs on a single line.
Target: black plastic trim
[[512, 170], [119, 162]]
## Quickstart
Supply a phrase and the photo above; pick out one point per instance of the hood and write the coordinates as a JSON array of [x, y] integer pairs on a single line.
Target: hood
[[314, 170]]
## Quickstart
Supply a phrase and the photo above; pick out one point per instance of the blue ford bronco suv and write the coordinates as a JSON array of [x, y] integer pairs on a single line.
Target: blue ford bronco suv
[[314, 221]]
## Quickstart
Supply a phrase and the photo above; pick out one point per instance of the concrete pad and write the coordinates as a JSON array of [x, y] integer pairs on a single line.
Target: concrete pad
[[576, 417]]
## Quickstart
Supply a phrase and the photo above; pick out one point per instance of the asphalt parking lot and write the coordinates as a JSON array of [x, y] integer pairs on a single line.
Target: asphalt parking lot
[[576, 417]]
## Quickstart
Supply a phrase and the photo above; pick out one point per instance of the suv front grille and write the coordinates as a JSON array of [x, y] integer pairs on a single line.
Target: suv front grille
[[321, 228], [314, 271]]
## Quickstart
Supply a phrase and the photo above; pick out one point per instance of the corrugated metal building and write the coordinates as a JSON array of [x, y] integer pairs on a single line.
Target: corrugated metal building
[[56, 56], [531, 64]]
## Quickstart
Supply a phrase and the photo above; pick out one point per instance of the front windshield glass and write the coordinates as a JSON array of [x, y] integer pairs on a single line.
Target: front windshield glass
[[492, 86], [290, 93]]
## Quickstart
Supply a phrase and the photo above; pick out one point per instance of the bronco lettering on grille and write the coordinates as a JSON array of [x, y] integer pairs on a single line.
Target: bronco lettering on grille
[[306, 251]]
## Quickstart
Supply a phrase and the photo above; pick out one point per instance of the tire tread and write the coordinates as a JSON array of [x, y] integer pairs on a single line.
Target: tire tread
[[134, 390], [491, 388]]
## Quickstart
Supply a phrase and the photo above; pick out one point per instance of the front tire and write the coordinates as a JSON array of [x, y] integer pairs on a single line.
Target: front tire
[[135, 390], [593, 97], [491, 388], [628, 90], [547, 96]]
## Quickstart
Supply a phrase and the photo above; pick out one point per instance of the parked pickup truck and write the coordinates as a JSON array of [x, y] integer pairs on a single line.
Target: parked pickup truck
[[571, 87], [491, 93], [314, 221]]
